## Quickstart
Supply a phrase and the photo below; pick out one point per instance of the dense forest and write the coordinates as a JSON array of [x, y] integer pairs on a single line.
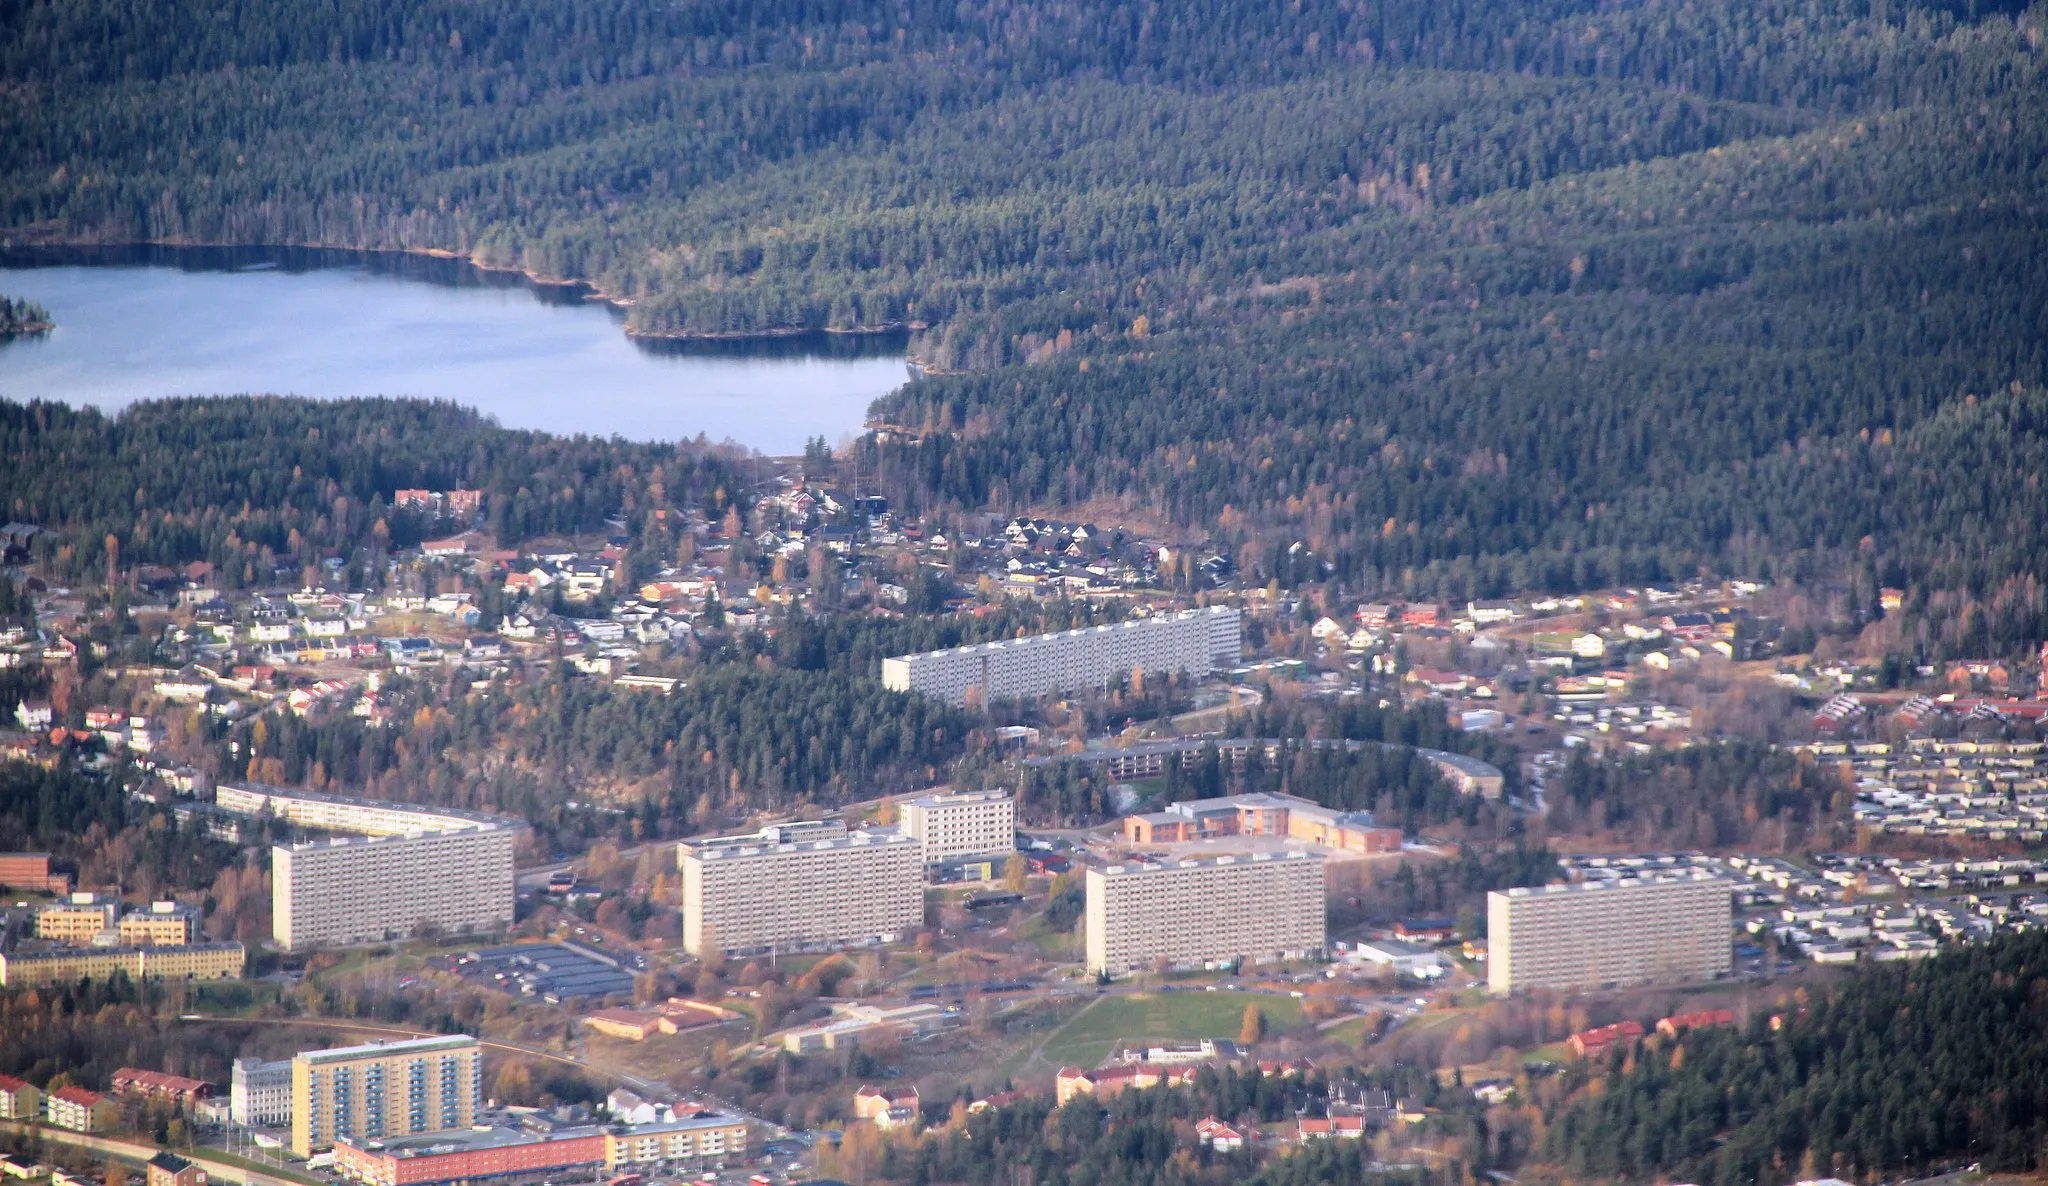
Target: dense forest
[[1709, 796], [734, 738], [94, 827], [1142, 1138], [249, 484], [1903, 1068], [22, 317], [1464, 298]]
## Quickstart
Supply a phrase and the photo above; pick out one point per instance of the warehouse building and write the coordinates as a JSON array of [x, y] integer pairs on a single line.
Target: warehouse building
[[1259, 908], [1590, 934]]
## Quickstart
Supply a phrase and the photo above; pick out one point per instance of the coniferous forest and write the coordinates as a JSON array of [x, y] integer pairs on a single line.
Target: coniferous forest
[[1465, 298]]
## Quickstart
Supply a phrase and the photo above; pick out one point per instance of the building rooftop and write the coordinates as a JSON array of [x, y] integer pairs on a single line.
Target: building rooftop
[[949, 798], [769, 840], [1132, 868], [476, 817], [1588, 887], [62, 953], [376, 1049]]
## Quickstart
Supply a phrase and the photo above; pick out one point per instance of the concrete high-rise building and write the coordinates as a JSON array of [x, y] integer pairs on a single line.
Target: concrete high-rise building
[[370, 889], [339, 813], [1264, 907], [800, 886], [1192, 642], [260, 1092], [961, 824], [386, 1089], [1622, 932]]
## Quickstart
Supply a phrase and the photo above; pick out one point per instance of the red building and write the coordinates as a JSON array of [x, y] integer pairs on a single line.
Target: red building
[[1594, 1042], [1678, 1023], [157, 1085], [468, 1156], [31, 871]]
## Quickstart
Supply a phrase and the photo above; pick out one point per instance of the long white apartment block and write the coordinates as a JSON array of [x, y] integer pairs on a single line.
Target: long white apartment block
[[1261, 908], [961, 824], [367, 889], [1589, 934], [800, 887], [1192, 642], [338, 813]]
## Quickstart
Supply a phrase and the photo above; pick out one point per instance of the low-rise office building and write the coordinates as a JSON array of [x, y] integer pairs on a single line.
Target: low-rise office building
[[1261, 908], [800, 886], [1193, 642], [31, 871], [61, 965], [961, 824], [80, 918], [260, 1092], [1262, 814], [385, 1090], [160, 924], [1590, 934]]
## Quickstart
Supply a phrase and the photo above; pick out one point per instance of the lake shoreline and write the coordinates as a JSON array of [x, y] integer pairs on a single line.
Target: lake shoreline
[[586, 290], [151, 321]]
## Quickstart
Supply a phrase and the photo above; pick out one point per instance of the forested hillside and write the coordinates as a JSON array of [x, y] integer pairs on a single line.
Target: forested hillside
[[245, 483], [1465, 297], [1903, 1068]]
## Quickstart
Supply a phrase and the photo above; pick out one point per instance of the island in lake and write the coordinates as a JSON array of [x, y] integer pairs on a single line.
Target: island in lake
[[23, 317]]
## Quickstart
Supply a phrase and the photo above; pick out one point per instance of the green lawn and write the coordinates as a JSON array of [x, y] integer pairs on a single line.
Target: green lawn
[[1163, 1017]]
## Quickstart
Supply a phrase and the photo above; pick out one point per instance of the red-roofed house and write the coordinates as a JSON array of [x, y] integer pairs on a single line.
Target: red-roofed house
[[887, 1107], [157, 1085], [1594, 1042], [19, 1099], [1309, 1128], [1218, 1135], [80, 1110], [1001, 1099], [1678, 1023]]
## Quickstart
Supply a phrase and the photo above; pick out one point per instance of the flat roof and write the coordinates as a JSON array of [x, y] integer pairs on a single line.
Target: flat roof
[[713, 848], [1139, 868], [1673, 877], [268, 791], [376, 1049]]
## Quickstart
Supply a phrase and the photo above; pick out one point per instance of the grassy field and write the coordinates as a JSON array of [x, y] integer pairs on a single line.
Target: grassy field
[[1162, 1017]]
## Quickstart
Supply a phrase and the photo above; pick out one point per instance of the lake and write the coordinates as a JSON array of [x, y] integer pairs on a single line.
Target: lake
[[140, 323]]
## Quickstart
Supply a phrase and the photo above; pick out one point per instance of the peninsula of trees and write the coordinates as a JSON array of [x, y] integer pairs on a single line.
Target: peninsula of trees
[[19, 317]]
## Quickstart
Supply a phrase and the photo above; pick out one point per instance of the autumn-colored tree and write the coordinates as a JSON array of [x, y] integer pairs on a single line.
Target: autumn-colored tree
[[1254, 1028]]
